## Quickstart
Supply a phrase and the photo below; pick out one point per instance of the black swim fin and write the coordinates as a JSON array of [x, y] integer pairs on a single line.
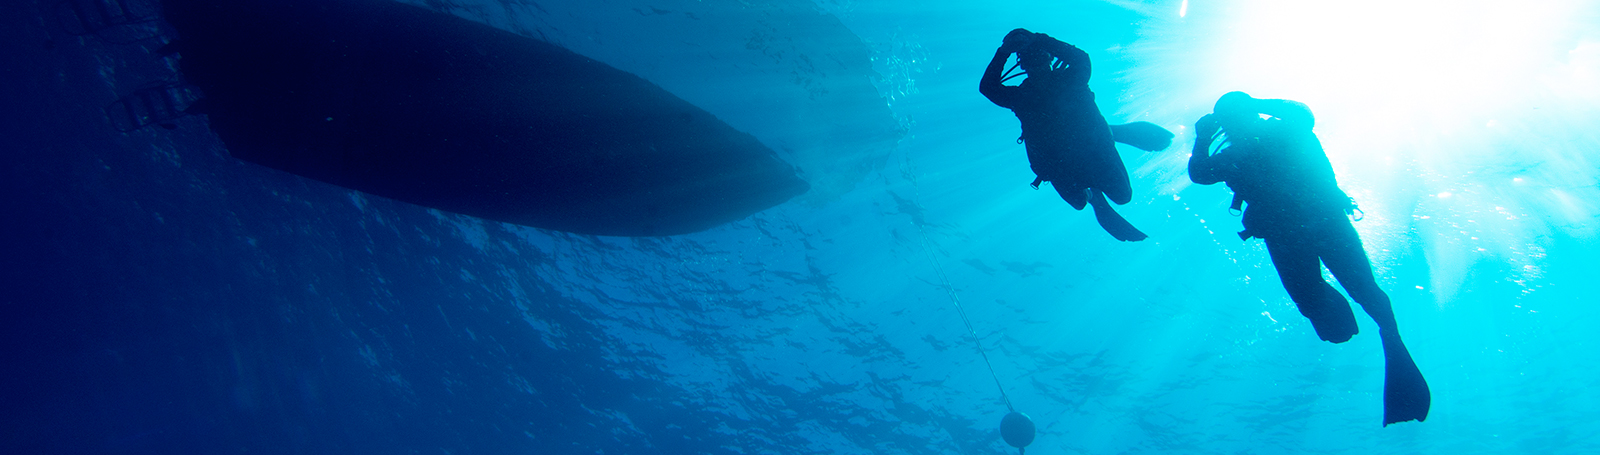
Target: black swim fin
[[1113, 222], [1143, 135], [1405, 392]]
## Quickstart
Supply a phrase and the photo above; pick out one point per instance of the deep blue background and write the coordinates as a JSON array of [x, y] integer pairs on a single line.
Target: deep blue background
[[159, 296]]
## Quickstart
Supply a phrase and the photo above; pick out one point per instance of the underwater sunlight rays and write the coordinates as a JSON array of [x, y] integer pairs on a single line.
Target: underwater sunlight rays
[[1456, 125]]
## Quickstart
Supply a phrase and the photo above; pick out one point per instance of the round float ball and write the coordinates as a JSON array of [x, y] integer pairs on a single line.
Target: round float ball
[[1017, 429]]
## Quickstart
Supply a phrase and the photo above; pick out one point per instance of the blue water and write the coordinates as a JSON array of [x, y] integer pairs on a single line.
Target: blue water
[[162, 297]]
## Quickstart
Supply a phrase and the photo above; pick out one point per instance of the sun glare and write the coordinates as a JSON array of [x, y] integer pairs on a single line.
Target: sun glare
[[1413, 98], [1397, 61]]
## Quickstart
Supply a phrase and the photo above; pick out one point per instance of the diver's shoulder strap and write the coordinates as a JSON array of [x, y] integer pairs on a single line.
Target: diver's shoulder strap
[[1237, 208]]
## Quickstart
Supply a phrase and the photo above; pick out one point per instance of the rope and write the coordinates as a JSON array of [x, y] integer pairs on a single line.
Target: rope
[[956, 300]]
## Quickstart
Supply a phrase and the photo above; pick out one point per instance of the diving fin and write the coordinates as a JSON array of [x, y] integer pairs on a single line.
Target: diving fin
[[1405, 392], [1142, 135], [1113, 222]]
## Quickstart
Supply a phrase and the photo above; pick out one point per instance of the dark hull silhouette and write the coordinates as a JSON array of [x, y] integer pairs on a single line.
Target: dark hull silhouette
[[435, 110]]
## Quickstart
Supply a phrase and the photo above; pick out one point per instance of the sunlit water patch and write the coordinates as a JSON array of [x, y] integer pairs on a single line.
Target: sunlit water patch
[[1457, 125]]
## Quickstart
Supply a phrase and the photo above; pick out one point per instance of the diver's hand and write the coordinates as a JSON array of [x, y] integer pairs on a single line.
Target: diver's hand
[[1017, 40], [1206, 127]]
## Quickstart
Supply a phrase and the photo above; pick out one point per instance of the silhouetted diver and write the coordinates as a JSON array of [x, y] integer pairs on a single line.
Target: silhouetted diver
[[1069, 143], [1277, 167], [435, 110]]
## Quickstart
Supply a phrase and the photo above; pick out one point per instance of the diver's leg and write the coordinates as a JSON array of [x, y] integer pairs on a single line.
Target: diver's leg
[[1405, 392], [1075, 195], [1340, 248], [1301, 273], [1111, 221], [1113, 180]]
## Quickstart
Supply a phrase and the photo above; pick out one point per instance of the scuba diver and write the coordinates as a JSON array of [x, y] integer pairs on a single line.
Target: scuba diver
[[1279, 173], [1069, 143]]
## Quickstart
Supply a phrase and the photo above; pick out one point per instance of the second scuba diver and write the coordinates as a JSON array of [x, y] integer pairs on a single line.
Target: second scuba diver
[[1069, 143], [1278, 171]]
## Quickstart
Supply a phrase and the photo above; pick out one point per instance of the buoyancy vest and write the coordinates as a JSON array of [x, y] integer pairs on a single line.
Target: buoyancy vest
[[1284, 182], [1062, 129]]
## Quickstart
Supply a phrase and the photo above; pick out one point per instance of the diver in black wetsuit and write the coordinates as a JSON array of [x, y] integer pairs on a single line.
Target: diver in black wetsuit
[[1277, 167], [1069, 143]]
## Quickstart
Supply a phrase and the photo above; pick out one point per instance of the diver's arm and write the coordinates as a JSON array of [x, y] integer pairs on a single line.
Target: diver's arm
[[1202, 166], [990, 85], [1294, 113], [1076, 59]]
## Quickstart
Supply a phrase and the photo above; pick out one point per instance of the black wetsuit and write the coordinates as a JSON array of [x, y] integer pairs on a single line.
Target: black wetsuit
[[1069, 142], [1294, 204]]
